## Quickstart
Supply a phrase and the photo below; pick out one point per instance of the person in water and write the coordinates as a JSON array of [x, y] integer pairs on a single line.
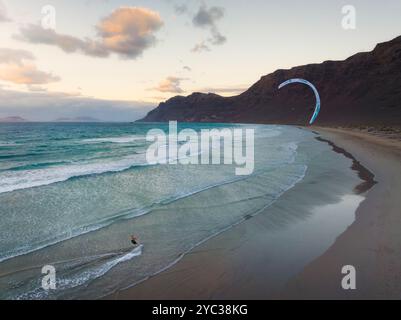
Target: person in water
[[134, 240]]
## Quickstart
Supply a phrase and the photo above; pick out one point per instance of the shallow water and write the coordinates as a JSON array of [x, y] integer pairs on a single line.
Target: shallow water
[[71, 194]]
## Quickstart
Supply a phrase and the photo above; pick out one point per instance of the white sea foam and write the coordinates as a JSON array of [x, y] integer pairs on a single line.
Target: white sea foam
[[8, 144], [16, 180], [123, 139], [25, 179], [83, 277]]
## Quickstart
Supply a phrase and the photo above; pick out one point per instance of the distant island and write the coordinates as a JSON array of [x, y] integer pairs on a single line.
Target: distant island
[[363, 90], [13, 119]]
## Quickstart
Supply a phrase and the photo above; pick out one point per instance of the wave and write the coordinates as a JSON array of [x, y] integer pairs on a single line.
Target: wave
[[82, 271], [19, 178], [30, 176], [271, 133], [37, 165], [8, 144], [24, 179], [124, 139]]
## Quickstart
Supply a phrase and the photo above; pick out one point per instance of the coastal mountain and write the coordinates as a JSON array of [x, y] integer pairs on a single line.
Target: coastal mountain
[[13, 119], [364, 89]]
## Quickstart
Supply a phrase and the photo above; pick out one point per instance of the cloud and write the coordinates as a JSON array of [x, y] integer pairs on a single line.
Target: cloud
[[48, 106], [3, 13], [200, 47], [181, 9], [207, 18], [217, 38], [35, 88], [171, 85], [17, 66], [26, 74], [15, 56], [36, 34], [127, 32], [187, 68], [224, 90]]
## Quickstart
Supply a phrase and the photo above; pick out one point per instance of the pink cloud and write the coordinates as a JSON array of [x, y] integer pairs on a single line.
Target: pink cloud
[[171, 84], [127, 32], [17, 66]]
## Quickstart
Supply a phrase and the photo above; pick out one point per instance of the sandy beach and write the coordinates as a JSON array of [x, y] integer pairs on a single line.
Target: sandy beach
[[372, 243], [244, 262]]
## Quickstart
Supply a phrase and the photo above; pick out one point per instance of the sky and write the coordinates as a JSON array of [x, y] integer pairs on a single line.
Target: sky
[[115, 60]]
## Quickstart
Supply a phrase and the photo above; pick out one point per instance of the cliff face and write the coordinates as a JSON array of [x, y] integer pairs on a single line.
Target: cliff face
[[364, 89]]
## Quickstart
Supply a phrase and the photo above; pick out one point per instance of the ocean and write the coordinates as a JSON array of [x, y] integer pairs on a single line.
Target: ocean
[[71, 194]]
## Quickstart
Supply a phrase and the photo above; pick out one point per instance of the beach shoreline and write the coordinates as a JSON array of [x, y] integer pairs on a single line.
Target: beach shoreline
[[372, 243], [194, 277]]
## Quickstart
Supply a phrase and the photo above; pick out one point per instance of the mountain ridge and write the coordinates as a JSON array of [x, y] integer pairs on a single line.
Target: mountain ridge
[[364, 89]]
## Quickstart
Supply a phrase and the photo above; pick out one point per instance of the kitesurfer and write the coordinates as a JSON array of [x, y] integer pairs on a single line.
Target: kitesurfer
[[134, 240]]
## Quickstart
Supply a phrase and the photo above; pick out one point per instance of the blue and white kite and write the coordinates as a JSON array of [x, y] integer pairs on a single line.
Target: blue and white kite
[[317, 108]]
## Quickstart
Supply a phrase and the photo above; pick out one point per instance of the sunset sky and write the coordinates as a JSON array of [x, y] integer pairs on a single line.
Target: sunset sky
[[116, 59]]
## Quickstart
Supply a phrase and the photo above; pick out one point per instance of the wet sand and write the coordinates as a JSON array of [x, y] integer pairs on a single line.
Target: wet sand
[[372, 244], [246, 263]]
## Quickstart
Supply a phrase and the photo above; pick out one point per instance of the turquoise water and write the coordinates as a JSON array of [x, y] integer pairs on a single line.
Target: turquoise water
[[72, 194]]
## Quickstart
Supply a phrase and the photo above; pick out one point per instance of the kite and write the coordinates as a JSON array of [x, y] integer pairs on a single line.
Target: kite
[[317, 108]]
